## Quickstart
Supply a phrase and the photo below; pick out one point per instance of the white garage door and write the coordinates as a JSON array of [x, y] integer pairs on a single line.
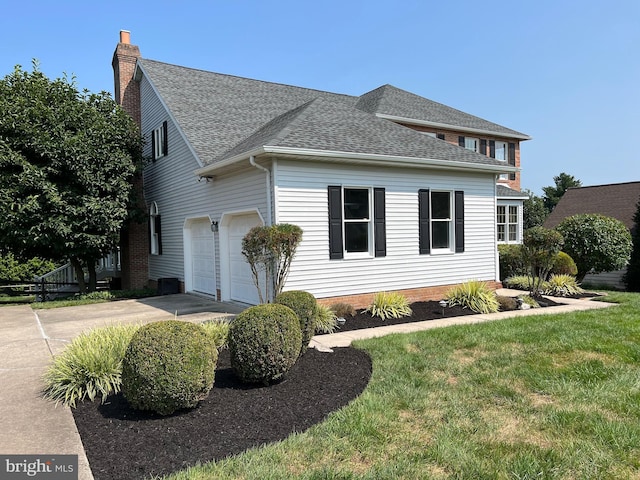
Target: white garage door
[[242, 287], [202, 257]]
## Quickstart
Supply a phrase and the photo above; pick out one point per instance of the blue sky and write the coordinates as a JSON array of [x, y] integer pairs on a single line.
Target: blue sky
[[565, 72]]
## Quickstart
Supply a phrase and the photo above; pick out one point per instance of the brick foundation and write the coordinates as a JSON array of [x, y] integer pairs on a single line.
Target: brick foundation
[[363, 300]]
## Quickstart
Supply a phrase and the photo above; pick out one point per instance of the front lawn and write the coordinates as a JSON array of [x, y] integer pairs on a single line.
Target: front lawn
[[552, 396]]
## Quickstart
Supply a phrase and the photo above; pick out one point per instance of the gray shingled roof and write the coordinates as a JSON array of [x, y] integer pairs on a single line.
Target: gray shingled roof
[[617, 200], [506, 192], [224, 116], [390, 100]]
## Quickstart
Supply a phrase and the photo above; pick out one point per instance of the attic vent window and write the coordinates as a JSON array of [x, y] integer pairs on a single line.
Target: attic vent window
[[159, 144]]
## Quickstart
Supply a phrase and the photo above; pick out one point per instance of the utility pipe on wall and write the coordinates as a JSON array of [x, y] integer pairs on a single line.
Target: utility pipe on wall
[[252, 161]]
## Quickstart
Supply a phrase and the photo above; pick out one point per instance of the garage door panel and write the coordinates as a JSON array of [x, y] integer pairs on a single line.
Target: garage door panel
[[203, 257], [241, 280]]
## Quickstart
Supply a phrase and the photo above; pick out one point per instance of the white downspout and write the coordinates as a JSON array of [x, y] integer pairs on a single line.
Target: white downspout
[[252, 161]]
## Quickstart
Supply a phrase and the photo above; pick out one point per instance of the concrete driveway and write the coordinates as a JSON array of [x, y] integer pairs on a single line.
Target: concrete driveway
[[28, 339]]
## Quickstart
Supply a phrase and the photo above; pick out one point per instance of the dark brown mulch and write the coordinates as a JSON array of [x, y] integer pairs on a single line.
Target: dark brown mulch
[[122, 443], [428, 310]]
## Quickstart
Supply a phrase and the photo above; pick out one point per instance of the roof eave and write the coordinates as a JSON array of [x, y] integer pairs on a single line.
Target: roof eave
[[425, 123], [357, 158]]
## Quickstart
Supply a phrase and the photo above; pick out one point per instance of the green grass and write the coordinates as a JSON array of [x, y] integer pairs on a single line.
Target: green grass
[[551, 397], [95, 297]]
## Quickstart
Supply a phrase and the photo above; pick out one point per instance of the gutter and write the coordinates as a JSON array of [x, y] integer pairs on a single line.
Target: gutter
[[355, 158], [252, 161], [445, 126]]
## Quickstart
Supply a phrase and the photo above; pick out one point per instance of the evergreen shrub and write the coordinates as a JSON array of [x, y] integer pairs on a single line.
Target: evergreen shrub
[[264, 343], [305, 307], [168, 366]]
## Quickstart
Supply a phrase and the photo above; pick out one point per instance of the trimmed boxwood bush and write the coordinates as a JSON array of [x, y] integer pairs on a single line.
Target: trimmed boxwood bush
[[168, 366], [264, 343], [306, 308], [564, 265]]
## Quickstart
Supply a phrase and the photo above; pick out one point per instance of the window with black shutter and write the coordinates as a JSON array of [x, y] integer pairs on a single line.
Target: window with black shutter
[[440, 221], [357, 222]]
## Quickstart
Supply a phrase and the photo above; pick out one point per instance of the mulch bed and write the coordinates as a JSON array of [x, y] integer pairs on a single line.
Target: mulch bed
[[122, 443], [428, 310]]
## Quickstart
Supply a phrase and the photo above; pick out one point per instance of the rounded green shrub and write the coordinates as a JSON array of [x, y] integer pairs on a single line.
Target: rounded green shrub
[[168, 366], [264, 343], [305, 307], [511, 260], [564, 265]]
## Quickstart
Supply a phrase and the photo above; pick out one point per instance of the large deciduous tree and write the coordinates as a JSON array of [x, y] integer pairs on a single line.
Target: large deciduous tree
[[553, 194], [534, 212], [67, 159], [596, 243]]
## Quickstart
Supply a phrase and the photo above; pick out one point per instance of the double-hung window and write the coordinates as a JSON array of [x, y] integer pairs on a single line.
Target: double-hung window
[[159, 143], [507, 220], [501, 152], [356, 222], [471, 143], [441, 221]]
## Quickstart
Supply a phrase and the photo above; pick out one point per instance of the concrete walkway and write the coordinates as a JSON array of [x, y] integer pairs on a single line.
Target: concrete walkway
[[29, 338]]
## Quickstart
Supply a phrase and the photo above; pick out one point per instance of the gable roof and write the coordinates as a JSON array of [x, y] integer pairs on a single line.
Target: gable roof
[[393, 103], [226, 118], [617, 200]]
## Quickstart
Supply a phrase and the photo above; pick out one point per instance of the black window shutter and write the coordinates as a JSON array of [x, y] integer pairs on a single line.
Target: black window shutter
[[153, 145], [158, 224], [461, 141], [512, 159], [424, 240], [335, 222], [165, 138], [459, 220], [492, 148], [440, 136], [379, 223], [483, 146]]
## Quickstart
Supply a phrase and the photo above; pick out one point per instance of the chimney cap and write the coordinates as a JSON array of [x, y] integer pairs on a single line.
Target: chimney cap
[[125, 37]]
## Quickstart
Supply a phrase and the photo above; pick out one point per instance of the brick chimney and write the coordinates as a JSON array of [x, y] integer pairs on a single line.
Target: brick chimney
[[126, 91], [134, 238]]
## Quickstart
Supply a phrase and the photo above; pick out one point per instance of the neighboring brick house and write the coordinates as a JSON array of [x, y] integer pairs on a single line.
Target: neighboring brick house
[[617, 200], [393, 191]]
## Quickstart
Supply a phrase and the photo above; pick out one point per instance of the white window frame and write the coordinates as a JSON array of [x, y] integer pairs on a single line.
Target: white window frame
[[472, 143], [510, 230], [369, 221], [158, 141], [450, 220], [503, 157], [154, 240]]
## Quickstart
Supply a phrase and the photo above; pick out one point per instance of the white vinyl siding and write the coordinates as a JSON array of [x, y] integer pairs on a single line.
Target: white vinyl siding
[[174, 186], [301, 192]]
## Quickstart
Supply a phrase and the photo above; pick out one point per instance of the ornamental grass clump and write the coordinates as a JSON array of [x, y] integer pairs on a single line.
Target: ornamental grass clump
[[326, 320], [218, 330], [168, 366], [264, 343], [562, 286], [90, 366], [389, 305], [305, 307], [474, 295]]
